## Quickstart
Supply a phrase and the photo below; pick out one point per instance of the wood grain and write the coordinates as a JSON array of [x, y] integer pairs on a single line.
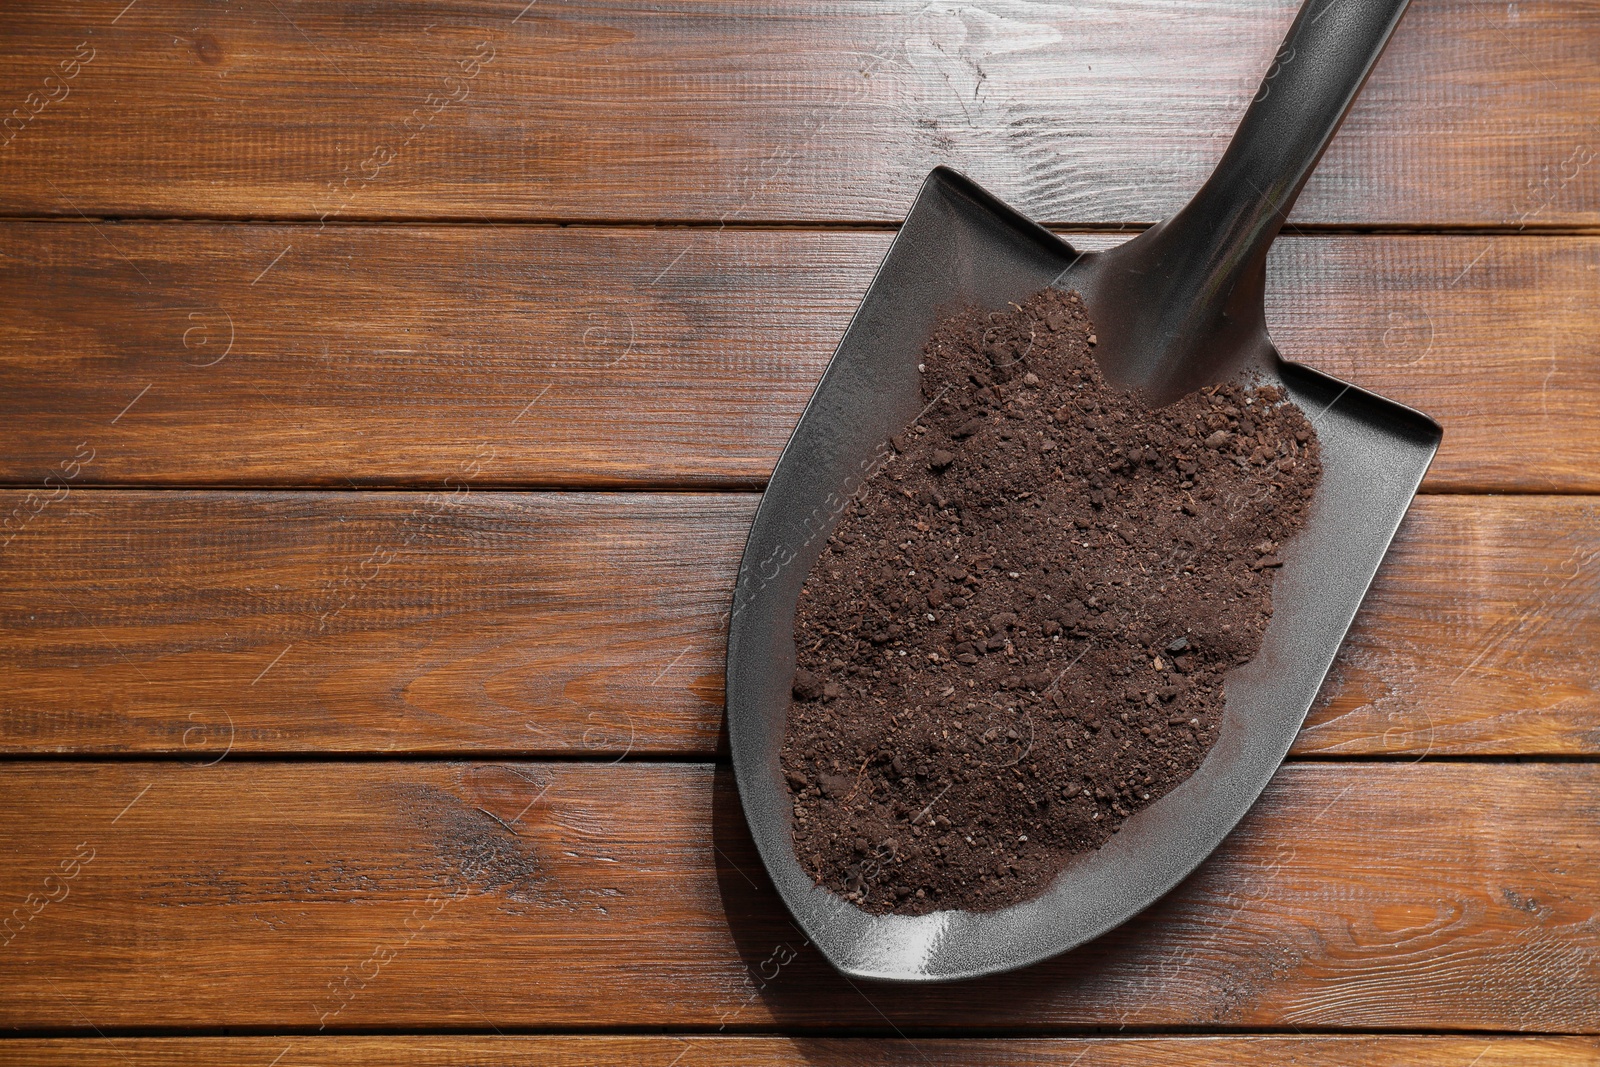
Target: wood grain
[[478, 896], [699, 1050], [285, 355], [204, 622], [201, 622], [1107, 111], [1474, 637]]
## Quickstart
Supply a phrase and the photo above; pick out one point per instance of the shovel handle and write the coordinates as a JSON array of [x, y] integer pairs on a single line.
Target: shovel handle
[[1313, 80], [1182, 304]]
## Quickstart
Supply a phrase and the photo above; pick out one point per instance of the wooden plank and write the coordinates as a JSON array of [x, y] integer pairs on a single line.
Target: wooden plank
[[202, 622], [702, 1051], [396, 895], [1473, 637], [240, 355], [1479, 113], [208, 622]]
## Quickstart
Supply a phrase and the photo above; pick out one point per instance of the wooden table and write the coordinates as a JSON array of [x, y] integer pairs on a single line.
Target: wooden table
[[385, 392]]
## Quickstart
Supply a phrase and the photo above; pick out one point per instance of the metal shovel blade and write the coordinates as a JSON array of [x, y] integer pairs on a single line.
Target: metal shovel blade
[[962, 247]]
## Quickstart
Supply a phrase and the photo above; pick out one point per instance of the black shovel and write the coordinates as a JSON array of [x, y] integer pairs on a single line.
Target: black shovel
[[1176, 308]]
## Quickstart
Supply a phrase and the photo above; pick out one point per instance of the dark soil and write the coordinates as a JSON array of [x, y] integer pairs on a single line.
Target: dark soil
[[1018, 633]]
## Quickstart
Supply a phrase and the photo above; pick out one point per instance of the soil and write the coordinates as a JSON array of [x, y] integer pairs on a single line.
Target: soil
[[1017, 634]]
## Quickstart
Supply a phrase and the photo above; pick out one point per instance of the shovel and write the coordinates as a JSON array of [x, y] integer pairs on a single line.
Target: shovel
[[1178, 307]]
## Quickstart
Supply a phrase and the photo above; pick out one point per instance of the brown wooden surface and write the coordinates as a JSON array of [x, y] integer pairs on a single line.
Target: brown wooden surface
[[372, 621], [404, 895], [1108, 111], [700, 1050], [278, 494], [199, 622], [397, 355]]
